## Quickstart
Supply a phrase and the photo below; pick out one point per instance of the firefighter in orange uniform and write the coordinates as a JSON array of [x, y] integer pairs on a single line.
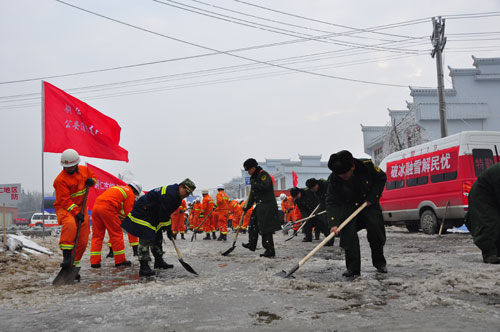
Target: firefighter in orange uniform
[[196, 214], [70, 187], [287, 206], [237, 211], [207, 205], [110, 208], [297, 215], [178, 218], [222, 212], [246, 219]]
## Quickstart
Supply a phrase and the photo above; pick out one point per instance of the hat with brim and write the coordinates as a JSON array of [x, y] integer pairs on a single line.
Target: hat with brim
[[189, 185], [340, 162]]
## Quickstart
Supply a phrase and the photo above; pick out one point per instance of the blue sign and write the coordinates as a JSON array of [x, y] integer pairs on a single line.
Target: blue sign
[[247, 180]]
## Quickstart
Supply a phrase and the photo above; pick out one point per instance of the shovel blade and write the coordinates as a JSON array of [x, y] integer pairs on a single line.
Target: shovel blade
[[187, 267], [287, 275], [228, 251], [66, 276]]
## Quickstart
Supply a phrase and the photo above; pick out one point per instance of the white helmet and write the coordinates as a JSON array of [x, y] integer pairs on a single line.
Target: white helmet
[[282, 197], [137, 186], [204, 192], [198, 199], [220, 186], [69, 158]]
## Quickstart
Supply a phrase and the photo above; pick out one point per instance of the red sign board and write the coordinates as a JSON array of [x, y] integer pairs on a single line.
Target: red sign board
[[442, 161]]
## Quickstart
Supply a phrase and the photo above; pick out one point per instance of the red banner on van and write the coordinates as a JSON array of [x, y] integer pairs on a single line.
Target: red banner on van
[[442, 161]]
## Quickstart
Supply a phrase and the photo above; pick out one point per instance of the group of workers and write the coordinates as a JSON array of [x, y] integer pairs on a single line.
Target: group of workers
[[145, 217]]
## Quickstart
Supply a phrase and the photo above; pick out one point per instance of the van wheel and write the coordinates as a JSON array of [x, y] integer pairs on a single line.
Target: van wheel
[[412, 227], [429, 222]]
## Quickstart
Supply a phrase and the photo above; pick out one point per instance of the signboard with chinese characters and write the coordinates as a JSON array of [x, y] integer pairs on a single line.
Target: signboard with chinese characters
[[9, 194], [442, 161]]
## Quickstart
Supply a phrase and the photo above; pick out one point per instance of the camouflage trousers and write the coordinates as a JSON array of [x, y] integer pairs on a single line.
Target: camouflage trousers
[[155, 245]]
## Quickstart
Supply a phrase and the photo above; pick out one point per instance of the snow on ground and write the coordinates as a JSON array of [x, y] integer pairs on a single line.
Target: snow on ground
[[434, 284]]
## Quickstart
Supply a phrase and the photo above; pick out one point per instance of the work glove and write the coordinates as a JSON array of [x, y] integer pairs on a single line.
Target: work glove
[[80, 218], [89, 182], [170, 235]]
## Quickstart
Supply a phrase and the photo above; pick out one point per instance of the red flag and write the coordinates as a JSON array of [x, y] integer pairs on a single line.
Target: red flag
[[104, 182], [295, 179], [71, 123]]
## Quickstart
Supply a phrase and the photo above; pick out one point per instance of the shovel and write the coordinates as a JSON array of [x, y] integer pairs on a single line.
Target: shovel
[[228, 251], [186, 265], [284, 274], [304, 222], [197, 228], [67, 275]]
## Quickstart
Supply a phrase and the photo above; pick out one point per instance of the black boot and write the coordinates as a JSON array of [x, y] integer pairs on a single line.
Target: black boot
[[182, 236], [214, 236], [247, 245], [95, 266], [224, 237], [135, 250], [66, 263], [269, 253], [161, 264], [307, 239], [145, 270], [124, 263], [207, 237], [219, 238], [110, 253], [175, 236]]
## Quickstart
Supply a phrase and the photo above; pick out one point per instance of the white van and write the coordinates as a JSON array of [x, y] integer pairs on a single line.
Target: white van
[[423, 180], [50, 220]]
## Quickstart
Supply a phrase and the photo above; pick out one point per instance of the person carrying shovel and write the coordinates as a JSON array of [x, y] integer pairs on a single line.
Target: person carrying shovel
[[352, 183], [70, 188], [265, 219]]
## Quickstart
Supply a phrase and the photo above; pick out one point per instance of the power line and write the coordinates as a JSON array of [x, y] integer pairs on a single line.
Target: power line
[[198, 74], [323, 39], [231, 54], [357, 30]]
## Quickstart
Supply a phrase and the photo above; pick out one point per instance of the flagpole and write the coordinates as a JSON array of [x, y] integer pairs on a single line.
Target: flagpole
[[43, 142]]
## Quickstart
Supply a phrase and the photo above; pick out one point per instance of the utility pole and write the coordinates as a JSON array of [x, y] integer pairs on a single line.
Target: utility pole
[[438, 41]]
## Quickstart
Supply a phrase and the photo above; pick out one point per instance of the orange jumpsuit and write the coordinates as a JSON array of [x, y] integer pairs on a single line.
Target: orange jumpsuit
[[222, 211], [237, 211], [178, 218], [196, 215], [287, 206], [297, 216], [246, 219], [109, 209], [70, 189], [207, 205], [132, 240]]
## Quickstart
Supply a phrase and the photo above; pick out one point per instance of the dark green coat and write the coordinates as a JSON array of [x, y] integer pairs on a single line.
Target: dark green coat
[[344, 197], [266, 208], [484, 210], [307, 202]]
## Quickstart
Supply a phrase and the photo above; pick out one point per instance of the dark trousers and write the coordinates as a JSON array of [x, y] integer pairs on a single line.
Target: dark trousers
[[371, 219], [319, 227], [253, 237]]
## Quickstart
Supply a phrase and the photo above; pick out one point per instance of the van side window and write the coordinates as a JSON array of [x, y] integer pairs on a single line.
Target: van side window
[[483, 158], [417, 181], [395, 184], [443, 177]]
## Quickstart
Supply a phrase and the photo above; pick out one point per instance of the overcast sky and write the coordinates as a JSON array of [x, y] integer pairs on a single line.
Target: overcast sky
[[188, 108]]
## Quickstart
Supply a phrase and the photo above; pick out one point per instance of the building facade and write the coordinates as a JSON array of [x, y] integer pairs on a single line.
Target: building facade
[[308, 166], [473, 103]]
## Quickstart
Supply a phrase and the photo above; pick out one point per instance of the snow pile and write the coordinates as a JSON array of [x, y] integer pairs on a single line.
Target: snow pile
[[18, 242]]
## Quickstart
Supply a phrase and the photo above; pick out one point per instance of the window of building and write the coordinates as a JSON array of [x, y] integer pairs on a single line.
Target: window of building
[[283, 183]]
